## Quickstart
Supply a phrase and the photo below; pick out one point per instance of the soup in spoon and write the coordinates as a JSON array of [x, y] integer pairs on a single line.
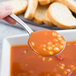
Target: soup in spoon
[[46, 42]]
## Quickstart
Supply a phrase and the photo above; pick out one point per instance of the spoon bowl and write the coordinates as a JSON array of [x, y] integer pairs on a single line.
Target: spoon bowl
[[46, 42]]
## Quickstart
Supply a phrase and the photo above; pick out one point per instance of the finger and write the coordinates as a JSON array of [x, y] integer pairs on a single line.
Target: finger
[[4, 11], [10, 20]]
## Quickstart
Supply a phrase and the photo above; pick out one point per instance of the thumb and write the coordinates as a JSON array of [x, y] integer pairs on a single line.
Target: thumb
[[5, 11]]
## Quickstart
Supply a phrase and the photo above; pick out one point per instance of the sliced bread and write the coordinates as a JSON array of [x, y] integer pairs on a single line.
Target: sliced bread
[[18, 6], [58, 0], [71, 4], [39, 14], [46, 20], [61, 16], [32, 6], [45, 2]]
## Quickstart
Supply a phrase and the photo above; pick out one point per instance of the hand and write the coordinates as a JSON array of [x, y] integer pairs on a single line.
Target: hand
[[5, 11]]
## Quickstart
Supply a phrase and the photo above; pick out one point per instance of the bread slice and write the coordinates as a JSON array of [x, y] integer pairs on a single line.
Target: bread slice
[[32, 6], [39, 14], [18, 6], [71, 4], [61, 16], [58, 0], [46, 20], [45, 2], [39, 22]]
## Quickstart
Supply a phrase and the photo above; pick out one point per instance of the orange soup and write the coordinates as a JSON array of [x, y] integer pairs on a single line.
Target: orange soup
[[46, 42], [25, 62]]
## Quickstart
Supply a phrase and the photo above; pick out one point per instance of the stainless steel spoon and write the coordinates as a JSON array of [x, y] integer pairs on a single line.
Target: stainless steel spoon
[[28, 29]]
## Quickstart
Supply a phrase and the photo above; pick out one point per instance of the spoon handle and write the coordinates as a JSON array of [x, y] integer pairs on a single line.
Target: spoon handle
[[28, 29]]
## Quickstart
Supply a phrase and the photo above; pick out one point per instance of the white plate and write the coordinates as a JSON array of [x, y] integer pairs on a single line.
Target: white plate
[[70, 35]]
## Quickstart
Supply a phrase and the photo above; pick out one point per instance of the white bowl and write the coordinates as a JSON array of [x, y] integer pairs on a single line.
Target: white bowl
[[70, 35]]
